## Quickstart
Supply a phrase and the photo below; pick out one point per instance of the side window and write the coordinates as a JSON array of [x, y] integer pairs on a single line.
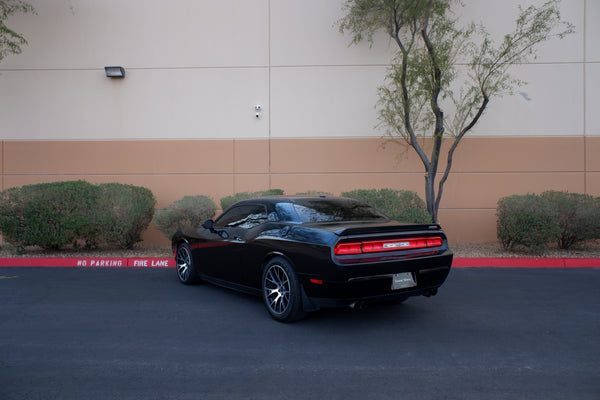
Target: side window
[[246, 217]]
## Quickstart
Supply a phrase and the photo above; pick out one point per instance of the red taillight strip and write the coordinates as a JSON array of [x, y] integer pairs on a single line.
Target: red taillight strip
[[374, 246]]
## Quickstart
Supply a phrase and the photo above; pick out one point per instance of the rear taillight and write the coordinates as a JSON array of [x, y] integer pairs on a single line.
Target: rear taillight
[[374, 246]]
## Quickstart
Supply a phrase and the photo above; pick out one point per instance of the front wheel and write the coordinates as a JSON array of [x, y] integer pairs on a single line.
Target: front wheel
[[281, 291], [184, 261]]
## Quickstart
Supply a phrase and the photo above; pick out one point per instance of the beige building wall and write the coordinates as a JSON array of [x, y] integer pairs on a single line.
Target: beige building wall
[[183, 122]]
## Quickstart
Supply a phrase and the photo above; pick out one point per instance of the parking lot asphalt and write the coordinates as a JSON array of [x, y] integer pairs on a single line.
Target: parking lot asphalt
[[131, 333]]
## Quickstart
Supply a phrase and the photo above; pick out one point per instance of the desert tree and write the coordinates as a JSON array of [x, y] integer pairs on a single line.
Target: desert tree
[[11, 41], [444, 72]]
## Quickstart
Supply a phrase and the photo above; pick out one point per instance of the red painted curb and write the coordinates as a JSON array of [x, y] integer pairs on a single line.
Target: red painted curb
[[89, 262], [527, 262], [170, 263]]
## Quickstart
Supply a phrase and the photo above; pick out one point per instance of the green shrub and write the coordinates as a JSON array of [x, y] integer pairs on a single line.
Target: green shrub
[[50, 215], [578, 217], [53, 215], [123, 213], [401, 205], [228, 201], [528, 220], [188, 212]]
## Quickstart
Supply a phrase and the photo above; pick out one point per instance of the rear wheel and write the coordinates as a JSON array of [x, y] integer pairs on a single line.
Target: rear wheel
[[281, 291], [186, 270]]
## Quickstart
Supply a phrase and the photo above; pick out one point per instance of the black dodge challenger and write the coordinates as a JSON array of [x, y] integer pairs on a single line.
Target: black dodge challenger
[[303, 253]]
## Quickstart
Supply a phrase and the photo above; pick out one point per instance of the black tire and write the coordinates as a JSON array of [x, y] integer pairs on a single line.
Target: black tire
[[184, 263], [281, 291]]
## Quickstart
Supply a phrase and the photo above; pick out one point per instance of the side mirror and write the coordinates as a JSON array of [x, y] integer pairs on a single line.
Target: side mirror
[[209, 224]]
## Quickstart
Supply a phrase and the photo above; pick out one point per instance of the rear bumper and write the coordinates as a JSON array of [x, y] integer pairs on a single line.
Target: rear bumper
[[373, 283]]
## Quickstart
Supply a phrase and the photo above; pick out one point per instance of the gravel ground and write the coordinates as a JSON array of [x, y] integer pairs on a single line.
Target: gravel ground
[[590, 250], [141, 250]]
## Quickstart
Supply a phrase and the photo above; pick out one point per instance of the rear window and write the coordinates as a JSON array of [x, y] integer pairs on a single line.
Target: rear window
[[333, 210], [245, 216]]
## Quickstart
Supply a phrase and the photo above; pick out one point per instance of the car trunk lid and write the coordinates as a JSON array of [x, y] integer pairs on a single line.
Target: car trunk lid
[[344, 229]]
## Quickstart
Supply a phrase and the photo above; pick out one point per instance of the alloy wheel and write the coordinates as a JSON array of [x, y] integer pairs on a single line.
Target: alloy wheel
[[183, 261], [277, 289]]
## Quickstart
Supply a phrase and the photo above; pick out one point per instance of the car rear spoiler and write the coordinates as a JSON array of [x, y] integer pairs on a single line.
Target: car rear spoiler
[[386, 228]]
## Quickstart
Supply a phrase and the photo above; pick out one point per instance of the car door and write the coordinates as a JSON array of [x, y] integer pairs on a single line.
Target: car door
[[233, 228]]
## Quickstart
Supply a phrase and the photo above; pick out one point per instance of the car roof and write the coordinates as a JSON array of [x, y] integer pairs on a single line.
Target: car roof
[[293, 199]]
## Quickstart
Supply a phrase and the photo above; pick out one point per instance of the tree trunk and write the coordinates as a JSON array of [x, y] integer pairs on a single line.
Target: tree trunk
[[430, 196]]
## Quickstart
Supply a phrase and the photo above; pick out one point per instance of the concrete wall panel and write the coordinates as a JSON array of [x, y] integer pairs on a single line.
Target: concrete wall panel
[[592, 96], [118, 157], [524, 154], [310, 102], [302, 37], [250, 156], [146, 104], [593, 183], [592, 30], [482, 190], [84, 34], [335, 184], [550, 104], [335, 155], [469, 226]]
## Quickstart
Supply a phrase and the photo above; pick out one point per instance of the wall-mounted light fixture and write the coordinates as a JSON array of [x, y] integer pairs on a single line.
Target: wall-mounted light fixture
[[115, 72]]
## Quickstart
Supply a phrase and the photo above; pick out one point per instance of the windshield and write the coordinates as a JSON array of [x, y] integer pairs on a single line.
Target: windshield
[[328, 210]]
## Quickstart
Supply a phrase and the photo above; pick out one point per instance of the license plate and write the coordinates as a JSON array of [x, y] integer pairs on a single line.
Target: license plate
[[403, 280]]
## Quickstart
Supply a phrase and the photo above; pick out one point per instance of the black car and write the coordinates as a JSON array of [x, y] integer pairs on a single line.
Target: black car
[[303, 253]]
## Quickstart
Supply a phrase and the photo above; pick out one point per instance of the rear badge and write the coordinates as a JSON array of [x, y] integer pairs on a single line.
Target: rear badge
[[396, 245]]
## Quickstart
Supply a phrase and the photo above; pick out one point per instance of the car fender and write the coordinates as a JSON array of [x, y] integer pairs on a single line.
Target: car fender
[[176, 240], [272, 254]]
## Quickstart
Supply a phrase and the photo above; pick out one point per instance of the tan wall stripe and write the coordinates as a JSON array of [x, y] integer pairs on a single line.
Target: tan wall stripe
[[485, 169]]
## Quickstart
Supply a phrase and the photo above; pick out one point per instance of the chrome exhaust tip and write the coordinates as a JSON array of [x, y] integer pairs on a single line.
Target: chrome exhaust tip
[[429, 292], [358, 305]]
